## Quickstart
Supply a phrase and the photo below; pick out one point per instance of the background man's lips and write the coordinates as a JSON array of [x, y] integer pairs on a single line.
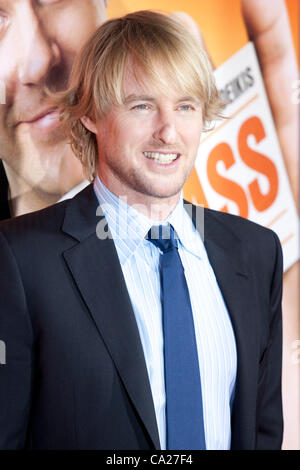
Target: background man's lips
[[43, 124], [43, 114]]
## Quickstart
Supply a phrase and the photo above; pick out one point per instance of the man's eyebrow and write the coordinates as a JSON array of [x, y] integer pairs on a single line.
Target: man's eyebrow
[[192, 99], [130, 98]]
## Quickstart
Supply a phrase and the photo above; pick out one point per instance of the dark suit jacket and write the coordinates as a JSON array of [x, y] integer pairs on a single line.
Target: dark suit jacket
[[4, 206], [75, 374]]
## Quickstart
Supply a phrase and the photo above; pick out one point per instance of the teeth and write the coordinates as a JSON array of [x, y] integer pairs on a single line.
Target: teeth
[[161, 157]]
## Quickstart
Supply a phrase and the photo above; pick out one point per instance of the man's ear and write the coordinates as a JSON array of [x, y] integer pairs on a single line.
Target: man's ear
[[88, 124]]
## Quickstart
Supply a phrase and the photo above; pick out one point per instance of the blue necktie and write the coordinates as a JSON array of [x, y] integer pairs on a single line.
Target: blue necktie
[[184, 411]]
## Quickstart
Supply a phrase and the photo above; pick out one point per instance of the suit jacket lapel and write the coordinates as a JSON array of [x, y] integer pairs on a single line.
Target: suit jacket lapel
[[96, 270], [230, 266]]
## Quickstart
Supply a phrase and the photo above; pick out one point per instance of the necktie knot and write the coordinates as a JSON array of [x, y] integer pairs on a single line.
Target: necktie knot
[[162, 236]]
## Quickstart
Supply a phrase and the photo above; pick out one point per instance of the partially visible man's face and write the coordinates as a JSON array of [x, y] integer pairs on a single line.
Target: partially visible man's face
[[38, 42], [148, 146]]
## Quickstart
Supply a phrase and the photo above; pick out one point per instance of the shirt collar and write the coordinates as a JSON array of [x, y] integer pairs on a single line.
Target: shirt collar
[[79, 187], [187, 234], [129, 227]]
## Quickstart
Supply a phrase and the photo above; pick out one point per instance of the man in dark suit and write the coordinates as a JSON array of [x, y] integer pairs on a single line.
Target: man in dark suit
[[118, 336]]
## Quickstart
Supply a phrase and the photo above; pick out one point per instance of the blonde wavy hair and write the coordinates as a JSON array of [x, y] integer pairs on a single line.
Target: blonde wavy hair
[[160, 47]]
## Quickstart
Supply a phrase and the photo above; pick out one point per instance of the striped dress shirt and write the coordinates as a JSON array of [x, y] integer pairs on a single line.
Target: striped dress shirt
[[139, 260]]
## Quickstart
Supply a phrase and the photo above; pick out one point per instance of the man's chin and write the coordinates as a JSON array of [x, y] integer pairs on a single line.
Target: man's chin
[[164, 190], [162, 193]]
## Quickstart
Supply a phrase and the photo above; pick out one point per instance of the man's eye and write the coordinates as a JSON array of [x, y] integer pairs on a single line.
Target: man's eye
[[141, 106], [185, 107]]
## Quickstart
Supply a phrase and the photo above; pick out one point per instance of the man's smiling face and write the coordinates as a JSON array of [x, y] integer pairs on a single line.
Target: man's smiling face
[[147, 146], [38, 43]]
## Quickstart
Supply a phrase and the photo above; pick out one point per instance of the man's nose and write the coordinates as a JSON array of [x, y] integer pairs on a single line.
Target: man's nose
[[165, 130], [39, 53]]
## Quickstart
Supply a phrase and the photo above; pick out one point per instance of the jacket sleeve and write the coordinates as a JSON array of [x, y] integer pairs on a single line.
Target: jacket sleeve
[[16, 353], [269, 418]]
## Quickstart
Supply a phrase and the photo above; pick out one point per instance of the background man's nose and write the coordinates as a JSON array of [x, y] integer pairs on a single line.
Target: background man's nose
[[39, 53]]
